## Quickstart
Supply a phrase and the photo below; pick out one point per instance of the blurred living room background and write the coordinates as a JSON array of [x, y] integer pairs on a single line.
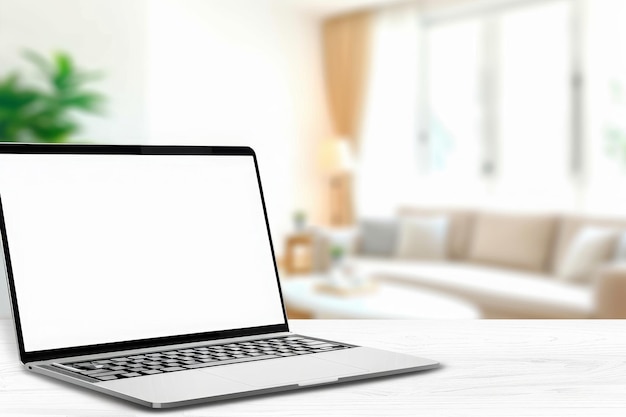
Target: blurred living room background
[[420, 159]]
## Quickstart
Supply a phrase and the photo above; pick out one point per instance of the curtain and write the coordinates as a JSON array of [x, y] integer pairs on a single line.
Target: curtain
[[387, 172], [346, 50]]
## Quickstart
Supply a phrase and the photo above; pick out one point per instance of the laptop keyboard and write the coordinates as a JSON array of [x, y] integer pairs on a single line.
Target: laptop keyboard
[[199, 357]]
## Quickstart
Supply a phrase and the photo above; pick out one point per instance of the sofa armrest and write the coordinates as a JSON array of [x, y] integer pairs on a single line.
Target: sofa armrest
[[324, 239], [610, 292]]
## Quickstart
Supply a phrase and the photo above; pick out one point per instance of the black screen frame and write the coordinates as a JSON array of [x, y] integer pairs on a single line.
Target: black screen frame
[[83, 149]]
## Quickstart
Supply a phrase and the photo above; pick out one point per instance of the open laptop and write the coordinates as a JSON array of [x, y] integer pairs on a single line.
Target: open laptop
[[148, 273]]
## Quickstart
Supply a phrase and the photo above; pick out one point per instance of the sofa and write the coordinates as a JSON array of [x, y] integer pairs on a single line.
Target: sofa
[[508, 264]]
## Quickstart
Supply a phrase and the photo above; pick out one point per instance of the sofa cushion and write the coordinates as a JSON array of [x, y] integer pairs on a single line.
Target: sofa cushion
[[378, 237], [460, 224], [518, 294], [591, 247], [513, 240], [423, 238]]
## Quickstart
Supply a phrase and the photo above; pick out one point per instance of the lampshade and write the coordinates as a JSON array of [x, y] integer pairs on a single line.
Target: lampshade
[[336, 155]]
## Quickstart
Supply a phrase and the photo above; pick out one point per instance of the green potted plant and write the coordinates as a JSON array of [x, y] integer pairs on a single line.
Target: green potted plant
[[336, 254], [45, 112], [299, 220]]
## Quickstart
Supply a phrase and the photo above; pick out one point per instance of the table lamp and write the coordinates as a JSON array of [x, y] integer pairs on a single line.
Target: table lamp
[[337, 163]]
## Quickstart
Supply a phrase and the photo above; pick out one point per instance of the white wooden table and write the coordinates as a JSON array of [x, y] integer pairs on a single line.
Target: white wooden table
[[491, 368], [387, 300]]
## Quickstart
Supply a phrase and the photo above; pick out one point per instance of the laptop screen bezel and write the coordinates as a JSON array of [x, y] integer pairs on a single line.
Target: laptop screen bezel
[[81, 149]]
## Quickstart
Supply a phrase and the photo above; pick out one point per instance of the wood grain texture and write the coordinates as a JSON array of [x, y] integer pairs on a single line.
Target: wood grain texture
[[490, 368]]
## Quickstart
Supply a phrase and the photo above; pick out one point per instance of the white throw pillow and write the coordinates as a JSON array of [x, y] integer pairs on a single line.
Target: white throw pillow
[[589, 249], [424, 238]]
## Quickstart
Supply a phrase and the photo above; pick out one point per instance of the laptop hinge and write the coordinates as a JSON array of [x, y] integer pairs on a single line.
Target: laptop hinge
[[160, 348]]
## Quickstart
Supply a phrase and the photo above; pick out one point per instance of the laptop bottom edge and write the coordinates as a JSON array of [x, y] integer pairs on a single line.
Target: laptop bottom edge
[[106, 388]]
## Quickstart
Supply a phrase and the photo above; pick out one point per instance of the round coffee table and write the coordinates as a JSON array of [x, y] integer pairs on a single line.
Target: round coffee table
[[385, 301]]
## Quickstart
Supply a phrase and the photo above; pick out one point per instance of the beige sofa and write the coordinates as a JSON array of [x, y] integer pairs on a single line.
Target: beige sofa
[[511, 265]]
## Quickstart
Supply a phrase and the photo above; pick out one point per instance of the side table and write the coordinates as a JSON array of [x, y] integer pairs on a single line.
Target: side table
[[298, 258]]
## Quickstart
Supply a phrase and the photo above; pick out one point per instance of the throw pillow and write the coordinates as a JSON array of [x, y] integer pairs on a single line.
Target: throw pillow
[[589, 249], [423, 238], [378, 237]]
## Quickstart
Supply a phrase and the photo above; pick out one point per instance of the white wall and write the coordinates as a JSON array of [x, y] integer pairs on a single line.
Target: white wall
[[214, 72], [241, 72], [104, 35]]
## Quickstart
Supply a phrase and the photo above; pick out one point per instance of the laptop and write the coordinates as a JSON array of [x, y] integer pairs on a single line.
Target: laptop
[[148, 273]]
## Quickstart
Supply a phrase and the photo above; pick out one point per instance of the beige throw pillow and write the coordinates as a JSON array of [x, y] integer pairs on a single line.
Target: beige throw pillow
[[513, 240], [423, 238], [591, 247]]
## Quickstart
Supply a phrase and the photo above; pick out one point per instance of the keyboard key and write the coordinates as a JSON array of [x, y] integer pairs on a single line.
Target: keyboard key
[[152, 372], [229, 361], [106, 377], [174, 368], [108, 373], [89, 365], [131, 374], [95, 372]]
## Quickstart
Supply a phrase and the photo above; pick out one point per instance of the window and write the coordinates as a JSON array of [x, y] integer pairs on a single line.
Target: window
[[499, 101], [605, 150]]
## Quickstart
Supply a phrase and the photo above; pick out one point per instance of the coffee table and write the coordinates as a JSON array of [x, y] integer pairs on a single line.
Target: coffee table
[[386, 301]]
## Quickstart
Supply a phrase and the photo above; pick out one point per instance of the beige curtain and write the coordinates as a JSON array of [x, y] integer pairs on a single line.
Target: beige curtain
[[346, 42], [346, 52]]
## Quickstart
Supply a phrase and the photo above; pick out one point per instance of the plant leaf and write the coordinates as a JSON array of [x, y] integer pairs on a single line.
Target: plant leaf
[[39, 61]]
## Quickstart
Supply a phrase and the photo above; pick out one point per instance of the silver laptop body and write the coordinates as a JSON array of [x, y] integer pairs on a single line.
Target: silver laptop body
[[160, 254]]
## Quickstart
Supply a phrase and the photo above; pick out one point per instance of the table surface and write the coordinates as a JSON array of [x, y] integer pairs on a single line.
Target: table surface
[[490, 368], [386, 300]]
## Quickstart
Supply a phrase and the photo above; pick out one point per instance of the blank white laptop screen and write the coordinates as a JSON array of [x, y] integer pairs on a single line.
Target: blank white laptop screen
[[111, 248]]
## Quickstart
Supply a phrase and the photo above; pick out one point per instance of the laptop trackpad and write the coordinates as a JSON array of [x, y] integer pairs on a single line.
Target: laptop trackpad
[[293, 370]]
